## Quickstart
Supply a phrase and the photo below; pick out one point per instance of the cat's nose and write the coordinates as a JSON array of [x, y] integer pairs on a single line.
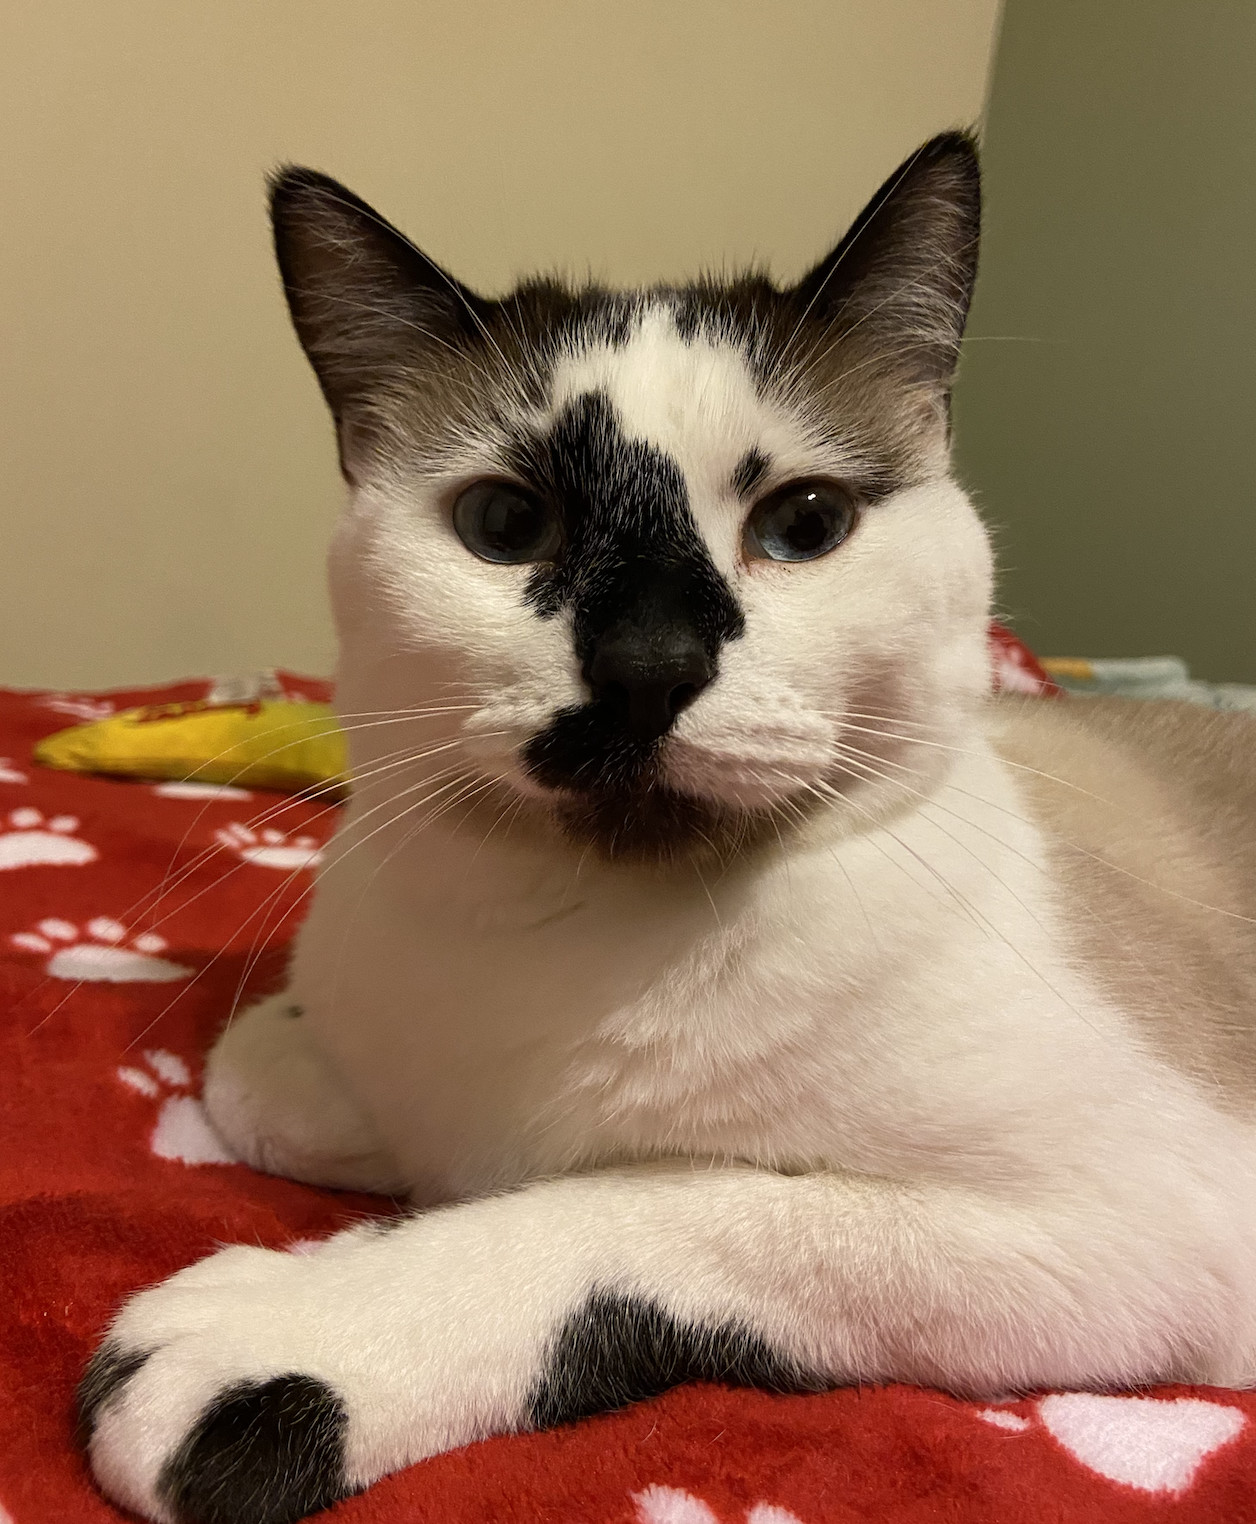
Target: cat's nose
[[649, 676]]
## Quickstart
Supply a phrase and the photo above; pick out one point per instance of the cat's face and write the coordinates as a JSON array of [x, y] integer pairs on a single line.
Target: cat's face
[[676, 563]]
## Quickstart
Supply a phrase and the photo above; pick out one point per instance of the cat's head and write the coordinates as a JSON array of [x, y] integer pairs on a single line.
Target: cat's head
[[667, 564]]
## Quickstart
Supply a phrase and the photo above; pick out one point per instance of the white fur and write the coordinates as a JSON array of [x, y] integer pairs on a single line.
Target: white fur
[[851, 1092]]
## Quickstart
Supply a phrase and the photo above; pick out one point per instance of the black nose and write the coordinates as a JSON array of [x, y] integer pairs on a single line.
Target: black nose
[[649, 675]]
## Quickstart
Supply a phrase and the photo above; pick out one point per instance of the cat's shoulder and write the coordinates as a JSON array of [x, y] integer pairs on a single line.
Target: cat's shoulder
[[1147, 818], [1175, 742], [1165, 790]]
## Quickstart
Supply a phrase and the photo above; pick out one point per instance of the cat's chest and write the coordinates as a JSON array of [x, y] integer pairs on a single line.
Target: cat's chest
[[549, 1025]]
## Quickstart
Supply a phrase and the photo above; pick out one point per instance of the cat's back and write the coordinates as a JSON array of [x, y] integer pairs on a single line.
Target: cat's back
[[1148, 815]]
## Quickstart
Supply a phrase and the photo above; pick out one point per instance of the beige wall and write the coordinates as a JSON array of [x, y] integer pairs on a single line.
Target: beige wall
[[168, 478]]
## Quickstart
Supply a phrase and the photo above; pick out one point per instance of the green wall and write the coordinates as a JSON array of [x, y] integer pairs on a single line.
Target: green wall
[[1106, 408]]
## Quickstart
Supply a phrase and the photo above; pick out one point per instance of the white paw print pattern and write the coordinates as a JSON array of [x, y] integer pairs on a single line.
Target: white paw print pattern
[[1156, 1444], [100, 952], [79, 706], [29, 839], [270, 849], [182, 1131], [178, 790], [669, 1505], [10, 774]]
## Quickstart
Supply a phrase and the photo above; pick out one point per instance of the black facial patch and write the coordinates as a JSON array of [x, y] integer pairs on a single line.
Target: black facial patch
[[749, 472], [626, 517], [270, 1452], [649, 610], [620, 1349], [109, 1369]]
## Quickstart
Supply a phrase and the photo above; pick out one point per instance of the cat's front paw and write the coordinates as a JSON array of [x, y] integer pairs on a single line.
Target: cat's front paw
[[216, 1398]]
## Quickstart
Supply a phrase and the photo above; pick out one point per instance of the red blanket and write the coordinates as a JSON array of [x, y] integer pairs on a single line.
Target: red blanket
[[131, 916]]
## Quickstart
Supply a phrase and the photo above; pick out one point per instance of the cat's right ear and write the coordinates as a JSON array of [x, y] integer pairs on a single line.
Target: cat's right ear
[[367, 305]]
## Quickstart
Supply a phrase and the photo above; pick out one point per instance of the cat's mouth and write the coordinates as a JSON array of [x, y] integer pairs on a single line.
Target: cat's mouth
[[610, 790], [587, 750]]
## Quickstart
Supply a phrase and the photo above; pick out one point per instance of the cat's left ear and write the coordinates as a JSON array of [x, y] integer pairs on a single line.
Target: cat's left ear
[[369, 307], [898, 286]]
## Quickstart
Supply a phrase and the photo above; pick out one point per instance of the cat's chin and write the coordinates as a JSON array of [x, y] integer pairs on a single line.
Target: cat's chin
[[659, 825], [659, 813]]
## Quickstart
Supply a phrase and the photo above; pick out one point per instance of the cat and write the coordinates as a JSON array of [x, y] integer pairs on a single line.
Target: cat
[[736, 989]]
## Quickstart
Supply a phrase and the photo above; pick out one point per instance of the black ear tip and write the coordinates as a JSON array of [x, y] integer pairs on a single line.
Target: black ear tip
[[956, 143], [956, 152], [294, 188], [290, 185]]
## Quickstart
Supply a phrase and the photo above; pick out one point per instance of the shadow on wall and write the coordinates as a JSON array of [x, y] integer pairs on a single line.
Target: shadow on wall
[[1104, 411]]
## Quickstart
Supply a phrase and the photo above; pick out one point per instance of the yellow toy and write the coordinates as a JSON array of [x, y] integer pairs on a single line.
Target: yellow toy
[[267, 743]]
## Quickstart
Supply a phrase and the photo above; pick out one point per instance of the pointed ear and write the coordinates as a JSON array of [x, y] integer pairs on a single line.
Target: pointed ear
[[365, 302], [898, 285]]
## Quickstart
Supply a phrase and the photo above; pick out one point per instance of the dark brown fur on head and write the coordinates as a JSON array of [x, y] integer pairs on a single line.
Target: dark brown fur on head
[[870, 336]]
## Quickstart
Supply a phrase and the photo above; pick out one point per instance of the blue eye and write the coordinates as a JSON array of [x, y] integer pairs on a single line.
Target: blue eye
[[498, 521], [800, 522]]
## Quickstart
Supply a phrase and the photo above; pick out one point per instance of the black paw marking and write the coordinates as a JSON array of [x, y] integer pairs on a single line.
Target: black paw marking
[[109, 1369], [267, 1452], [619, 1349]]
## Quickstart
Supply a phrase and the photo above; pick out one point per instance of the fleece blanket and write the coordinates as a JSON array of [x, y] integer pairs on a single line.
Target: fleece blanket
[[133, 916]]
